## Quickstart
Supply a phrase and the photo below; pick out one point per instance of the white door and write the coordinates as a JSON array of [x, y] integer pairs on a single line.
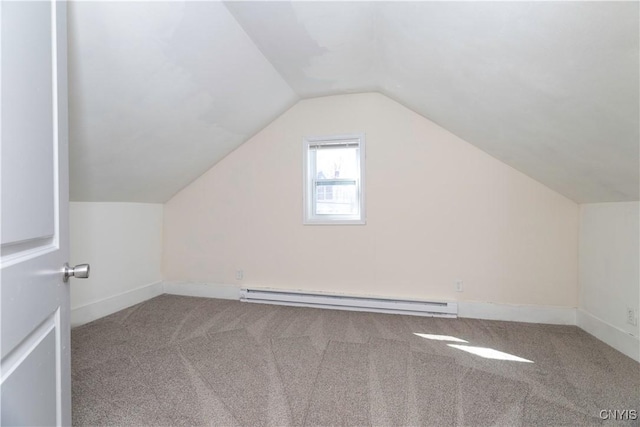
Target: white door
[[35, 350]]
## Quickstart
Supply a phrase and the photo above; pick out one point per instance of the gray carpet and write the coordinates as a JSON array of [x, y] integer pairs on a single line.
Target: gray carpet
[[194, 361]]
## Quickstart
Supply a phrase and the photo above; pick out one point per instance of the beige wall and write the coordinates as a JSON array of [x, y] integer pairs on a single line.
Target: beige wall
[[438, 210], [123, 244], [610, 262]]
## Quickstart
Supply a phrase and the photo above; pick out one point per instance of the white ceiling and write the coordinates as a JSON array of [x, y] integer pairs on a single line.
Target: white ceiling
[[159, 92]]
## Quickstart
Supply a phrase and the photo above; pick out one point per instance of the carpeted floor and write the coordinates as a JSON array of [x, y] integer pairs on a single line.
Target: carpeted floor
[[194, 361]]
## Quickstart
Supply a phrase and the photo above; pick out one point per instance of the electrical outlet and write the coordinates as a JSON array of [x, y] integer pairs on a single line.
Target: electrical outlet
[[459, 286], [632, 316], [239, 274]]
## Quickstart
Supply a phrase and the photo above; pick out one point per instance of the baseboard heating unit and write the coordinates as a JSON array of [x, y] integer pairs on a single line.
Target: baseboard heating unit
[[348, 302]]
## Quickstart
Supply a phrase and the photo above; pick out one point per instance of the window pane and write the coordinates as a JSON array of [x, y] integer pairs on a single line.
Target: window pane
[[337, 163], [336, 199]]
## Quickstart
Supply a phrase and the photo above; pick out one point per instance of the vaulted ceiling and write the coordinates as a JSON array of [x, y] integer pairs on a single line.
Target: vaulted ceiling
[[160, 92]]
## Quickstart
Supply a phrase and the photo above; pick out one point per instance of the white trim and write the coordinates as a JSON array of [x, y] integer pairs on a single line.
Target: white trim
[[468, 309], [205, 290], [97, 309], [622, 341], [517, 313]]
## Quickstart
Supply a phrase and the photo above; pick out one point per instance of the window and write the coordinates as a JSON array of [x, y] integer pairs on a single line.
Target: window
[[334, 180]]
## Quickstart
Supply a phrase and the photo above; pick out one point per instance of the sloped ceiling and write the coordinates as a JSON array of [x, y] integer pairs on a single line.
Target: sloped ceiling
[[159, 92]]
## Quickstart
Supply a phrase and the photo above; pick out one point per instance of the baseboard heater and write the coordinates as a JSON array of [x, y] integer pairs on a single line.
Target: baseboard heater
[[353, 303]]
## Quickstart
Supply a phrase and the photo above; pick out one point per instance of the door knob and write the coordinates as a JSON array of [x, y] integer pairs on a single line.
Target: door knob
[[81, 271]]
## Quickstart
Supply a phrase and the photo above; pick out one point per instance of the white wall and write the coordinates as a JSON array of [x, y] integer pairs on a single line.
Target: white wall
[[438, 210], [123, 244], [609, 272]]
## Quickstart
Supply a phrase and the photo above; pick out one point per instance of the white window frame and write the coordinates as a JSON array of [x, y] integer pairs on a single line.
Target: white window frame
[[309, 217]]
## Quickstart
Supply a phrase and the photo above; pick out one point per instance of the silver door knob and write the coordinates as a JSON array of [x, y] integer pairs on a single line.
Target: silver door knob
[[80, 271]]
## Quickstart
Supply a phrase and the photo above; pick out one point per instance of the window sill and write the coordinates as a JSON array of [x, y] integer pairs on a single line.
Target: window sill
[[334, 222]]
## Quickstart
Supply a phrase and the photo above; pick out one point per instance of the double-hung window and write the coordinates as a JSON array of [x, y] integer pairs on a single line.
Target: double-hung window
[[334, 179]]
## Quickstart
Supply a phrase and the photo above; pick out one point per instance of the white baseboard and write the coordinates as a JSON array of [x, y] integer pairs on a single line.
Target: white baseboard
[[616, 338], [206, 290], [517, 313], [470, 309], [622, 341], [95, 310]]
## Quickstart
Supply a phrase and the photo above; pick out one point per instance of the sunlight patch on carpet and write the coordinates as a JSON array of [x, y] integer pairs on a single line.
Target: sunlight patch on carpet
[[440, 337], [489, 353]]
